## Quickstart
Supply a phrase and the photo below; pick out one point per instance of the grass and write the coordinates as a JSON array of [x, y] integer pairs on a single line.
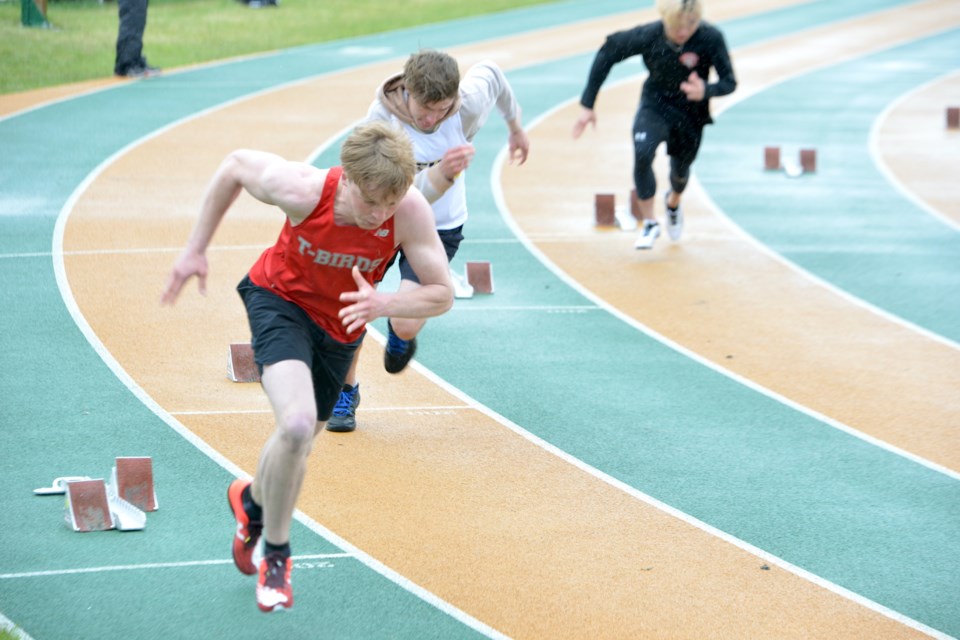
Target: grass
[[81, 40]]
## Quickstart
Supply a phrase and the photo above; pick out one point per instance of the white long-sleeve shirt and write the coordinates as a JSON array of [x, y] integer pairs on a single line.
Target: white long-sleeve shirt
[[482, 88]]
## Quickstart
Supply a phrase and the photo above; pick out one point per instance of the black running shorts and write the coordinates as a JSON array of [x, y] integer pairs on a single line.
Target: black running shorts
[[283, 331], [451, 239]]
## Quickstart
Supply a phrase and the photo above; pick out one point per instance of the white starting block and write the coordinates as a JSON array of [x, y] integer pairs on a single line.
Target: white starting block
[[480, 276], [461, 288], [59, 486], [240, 364], [126, 516], [625, 219], [792, 169]]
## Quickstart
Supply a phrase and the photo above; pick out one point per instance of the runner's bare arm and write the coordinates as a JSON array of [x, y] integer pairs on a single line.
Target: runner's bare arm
[[292, 186], [417, 236]]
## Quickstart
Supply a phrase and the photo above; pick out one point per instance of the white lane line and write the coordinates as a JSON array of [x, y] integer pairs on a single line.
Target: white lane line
[[423, 409], [156, 565], [884, 168], [7, 625]]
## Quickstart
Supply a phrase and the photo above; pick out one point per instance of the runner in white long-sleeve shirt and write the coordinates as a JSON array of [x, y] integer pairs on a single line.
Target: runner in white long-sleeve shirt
[[441, 113]]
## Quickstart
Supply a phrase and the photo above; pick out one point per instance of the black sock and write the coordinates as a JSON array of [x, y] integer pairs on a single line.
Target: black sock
[[254, 512], [283, 549]]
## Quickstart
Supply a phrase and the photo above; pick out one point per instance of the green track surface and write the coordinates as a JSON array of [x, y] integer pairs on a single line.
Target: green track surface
[[859, 516]]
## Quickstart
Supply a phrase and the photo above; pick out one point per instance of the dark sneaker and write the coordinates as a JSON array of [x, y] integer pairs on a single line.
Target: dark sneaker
[[399, 352], [344, 416], [248, 531], [140, 71], [273, 585]]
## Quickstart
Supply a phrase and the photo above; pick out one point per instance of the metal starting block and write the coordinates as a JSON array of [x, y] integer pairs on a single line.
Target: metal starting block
[[92, 505], [604, 210], [59, 486], [461, 288], [240, 364], [126, 516], [132, 481], [625, 219], [87, 507], [480, 276], [772, 161]]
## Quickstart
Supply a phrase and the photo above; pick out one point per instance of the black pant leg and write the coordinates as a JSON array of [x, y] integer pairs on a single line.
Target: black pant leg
[[133, 21]]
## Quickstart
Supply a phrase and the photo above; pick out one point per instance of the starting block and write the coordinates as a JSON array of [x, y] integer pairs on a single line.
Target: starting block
[[626, 221], [132, 480], [480, 276], [771, 158], [93, 505], [953, 117], [87, 507], [604, 206], [240, 364], [461, 288], [59, 486], [772, 161]]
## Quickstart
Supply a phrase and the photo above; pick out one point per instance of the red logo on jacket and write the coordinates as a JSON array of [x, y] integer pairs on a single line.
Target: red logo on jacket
[[689, 59]]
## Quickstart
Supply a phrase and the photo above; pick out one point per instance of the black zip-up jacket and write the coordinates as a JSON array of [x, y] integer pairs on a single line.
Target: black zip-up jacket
[[669, 65]]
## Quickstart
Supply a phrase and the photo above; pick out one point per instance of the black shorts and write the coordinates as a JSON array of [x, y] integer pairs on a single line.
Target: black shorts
[[451, 239], [282, 330], [682, 134]]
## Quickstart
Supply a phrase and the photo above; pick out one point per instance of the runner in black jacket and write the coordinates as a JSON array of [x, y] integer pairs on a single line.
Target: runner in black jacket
[[678, 51]]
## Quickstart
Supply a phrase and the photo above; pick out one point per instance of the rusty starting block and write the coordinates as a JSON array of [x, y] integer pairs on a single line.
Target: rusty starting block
[[604, 206], [240, 364], [480, 276], [771, 159], [87, 507], [133, 481]]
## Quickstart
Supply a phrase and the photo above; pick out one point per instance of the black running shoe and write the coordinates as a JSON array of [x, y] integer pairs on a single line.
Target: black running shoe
[[399, 352]]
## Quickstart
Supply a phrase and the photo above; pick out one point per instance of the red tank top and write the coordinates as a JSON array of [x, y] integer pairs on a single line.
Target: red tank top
[[311, 263]]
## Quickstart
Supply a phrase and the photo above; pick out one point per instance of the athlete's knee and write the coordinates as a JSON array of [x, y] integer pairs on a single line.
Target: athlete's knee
[[678, 184], [297, 430]]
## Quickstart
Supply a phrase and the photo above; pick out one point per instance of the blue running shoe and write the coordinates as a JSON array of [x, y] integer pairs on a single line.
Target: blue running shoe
[[399, 352], [344, 417]]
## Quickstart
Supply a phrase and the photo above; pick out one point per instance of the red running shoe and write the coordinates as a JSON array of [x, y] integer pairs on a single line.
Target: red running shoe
[[248, 531], [273, 586]]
